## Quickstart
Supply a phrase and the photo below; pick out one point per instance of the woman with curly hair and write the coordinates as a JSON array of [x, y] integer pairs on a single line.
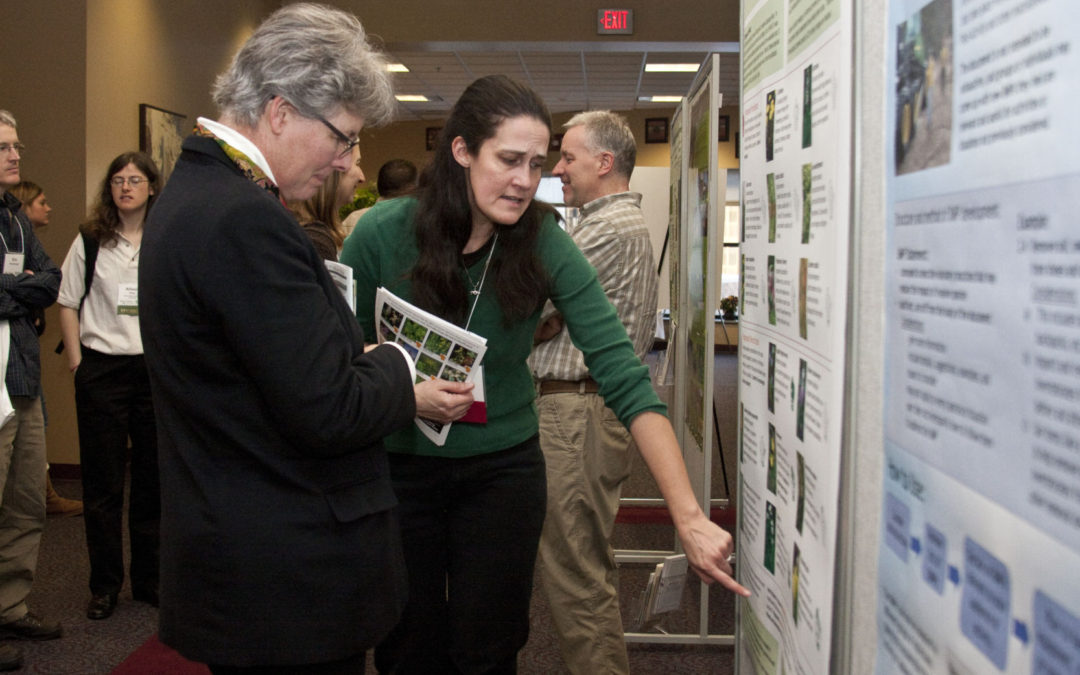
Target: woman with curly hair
[[100, 328]]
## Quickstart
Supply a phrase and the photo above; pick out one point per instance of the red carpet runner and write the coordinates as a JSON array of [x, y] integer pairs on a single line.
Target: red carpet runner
[[154, 657]]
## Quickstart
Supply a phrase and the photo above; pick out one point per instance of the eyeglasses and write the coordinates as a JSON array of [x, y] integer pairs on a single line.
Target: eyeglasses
[[134, 181], [350, 143], [5, 148]]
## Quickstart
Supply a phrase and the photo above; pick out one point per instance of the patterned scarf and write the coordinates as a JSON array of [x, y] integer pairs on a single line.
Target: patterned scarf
[[244, 163]]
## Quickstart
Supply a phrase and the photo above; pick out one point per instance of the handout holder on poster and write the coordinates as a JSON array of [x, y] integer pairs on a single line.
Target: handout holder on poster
[[662, 593], [439, 349]]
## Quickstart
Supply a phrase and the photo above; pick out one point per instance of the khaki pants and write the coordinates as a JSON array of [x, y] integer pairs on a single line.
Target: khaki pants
[[588, 454], [22, 509]]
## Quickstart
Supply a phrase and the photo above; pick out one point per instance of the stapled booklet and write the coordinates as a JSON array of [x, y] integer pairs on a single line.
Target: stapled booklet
[[440, 350]]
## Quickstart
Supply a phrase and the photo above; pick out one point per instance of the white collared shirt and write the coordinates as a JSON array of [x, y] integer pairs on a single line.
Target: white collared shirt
[[241, 143], [102, 326]]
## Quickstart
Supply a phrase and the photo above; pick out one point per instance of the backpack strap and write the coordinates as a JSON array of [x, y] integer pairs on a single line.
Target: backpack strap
[[90, 248]]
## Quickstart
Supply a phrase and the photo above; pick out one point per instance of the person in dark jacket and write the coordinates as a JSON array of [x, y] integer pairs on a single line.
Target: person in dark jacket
[[280, 549]]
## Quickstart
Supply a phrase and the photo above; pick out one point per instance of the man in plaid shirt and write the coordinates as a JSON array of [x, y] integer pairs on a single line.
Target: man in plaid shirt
[[587, 450]]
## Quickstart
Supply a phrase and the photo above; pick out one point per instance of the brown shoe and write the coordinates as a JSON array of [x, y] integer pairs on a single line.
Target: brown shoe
[[55, 505], [30, 626], [10, 657]]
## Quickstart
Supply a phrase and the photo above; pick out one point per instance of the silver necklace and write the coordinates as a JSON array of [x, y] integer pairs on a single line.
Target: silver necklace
[[479, 285]]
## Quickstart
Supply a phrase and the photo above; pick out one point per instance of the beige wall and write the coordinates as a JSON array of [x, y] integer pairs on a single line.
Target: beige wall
[[160, 52], [74, 73], [42, 54]]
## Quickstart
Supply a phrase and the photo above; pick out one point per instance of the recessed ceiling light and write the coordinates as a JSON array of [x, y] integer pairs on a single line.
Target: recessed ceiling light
[[671, 67], [396, 68], [411, 98], [661, 99]]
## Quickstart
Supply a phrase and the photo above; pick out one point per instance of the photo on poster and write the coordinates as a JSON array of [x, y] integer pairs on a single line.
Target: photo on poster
[[770, 480], [770, 538], [772, 289], [800, 407], [800, 500], [795, 585], [770, 182], [924, 84], [807, 184], [804, 265], [742, 283], [771, 387], [742, 213], [742, 418], [807, 98], [770, 123]]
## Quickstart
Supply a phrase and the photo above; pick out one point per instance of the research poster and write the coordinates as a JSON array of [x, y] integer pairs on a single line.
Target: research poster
[[795, 235], [699, 310], [979, 562]]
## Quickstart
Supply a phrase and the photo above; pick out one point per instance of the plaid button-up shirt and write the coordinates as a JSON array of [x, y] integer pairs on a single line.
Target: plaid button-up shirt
[[614, 238]]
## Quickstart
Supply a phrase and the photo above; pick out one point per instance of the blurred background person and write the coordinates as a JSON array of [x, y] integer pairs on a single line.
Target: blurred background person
[[37, 210], [397, 177], [36, 207], [320, 215], [103, 346], [34, 204], [30, 280]]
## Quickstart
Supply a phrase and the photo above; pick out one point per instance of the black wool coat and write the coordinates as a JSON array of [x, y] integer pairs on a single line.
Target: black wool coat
[[279, 535]]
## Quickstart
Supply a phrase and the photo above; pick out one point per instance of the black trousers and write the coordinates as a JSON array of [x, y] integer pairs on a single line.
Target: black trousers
[[112, 400], [353, 665], [470, 527]]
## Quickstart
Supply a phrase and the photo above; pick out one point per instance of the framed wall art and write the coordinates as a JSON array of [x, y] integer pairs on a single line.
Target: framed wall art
[[656, 130], [161, 132]]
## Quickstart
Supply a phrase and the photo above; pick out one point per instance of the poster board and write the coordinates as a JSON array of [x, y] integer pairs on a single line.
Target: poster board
[[795, 170], [698, 239], [693, 235], [980, 524]]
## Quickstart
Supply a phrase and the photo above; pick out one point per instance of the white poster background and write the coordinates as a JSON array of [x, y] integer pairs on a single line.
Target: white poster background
[[795, 172], [980, 543]]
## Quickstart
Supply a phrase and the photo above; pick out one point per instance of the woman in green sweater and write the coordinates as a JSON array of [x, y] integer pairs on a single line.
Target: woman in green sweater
[[474, 248]]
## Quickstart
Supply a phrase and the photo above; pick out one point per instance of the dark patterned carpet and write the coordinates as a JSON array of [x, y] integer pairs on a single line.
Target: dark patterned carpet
[[97, 647]]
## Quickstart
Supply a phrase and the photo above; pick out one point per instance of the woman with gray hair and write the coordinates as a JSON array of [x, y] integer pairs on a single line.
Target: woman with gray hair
[[280, 549]]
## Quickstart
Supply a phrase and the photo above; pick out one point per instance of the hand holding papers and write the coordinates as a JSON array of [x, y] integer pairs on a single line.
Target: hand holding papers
[[440, 350]]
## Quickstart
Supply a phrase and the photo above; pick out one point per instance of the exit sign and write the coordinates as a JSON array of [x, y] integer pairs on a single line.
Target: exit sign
[[614, 22]]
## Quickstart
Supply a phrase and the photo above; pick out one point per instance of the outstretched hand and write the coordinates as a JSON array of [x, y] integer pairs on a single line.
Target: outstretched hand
[[443, 401], [707, 548]]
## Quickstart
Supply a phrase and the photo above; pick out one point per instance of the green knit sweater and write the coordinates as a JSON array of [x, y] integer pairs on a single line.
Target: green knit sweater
[[382, 250]]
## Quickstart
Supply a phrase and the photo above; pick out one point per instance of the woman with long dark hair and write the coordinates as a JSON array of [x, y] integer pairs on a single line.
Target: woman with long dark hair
[[103, 345], [474, 247]]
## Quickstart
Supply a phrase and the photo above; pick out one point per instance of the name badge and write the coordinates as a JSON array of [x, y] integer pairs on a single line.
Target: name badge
[[13, 263], [127, 300]]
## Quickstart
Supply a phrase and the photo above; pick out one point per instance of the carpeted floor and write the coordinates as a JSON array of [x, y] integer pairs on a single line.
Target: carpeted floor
[[101, 647]]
